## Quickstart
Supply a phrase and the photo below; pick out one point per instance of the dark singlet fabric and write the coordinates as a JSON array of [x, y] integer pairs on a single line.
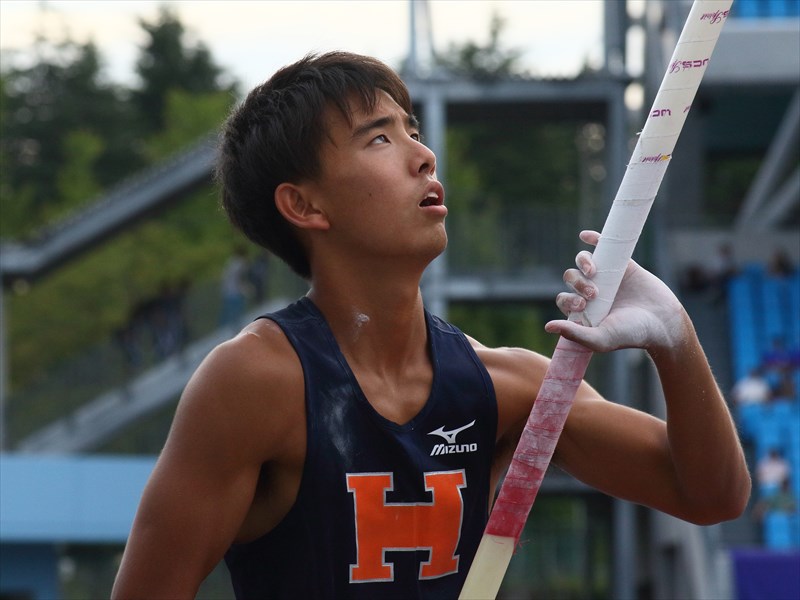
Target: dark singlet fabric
[[383, 510]]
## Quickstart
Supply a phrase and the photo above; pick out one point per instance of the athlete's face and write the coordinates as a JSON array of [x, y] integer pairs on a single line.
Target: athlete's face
[[378, 186]]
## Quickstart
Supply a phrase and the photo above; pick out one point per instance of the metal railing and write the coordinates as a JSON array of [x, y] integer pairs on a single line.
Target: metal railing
[[523, 250], [129, 200], [67, 390]]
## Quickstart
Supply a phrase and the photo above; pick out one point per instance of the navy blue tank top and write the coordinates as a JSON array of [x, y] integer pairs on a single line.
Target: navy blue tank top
[[383, 510]]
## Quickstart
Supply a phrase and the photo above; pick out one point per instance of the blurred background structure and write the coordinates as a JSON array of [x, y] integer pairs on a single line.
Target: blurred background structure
[[119, 275]]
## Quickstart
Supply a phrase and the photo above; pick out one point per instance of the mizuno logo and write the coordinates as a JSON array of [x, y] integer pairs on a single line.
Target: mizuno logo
[[450, 436], [453, 449]]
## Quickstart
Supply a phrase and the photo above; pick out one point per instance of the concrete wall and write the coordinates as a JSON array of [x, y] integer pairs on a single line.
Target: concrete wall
[[47, 500], [69, 498]]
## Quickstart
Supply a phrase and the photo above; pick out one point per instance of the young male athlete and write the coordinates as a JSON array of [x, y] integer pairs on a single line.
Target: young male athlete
[[349, 445]]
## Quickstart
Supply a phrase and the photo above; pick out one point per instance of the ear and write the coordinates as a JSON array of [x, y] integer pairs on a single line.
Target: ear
[[297, 207]]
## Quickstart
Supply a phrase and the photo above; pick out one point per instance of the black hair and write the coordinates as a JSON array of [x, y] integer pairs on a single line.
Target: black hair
[[276, 134]]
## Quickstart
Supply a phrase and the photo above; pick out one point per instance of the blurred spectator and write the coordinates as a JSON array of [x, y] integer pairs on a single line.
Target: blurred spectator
[[714, 276], [771, 471], [780, 265], [780, 360], [786, 389], [128, 336], [753, 388], [721, 269], [234, 288], [258, 274], [157, 323], [137, 331], [722, 266], [781, 500], [169, 323], [694, 279], [750, 396]]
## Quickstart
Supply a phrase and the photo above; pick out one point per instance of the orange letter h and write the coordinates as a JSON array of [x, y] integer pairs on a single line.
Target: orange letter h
[[380, 526]]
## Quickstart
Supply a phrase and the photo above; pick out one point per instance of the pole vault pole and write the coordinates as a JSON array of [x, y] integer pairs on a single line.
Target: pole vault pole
[[622, 229]]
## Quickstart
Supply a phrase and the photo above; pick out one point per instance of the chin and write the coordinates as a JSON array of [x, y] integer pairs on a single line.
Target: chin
[[440, 244], [431, 248]]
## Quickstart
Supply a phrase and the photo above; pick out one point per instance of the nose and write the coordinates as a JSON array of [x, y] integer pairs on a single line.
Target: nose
[[425, 160]]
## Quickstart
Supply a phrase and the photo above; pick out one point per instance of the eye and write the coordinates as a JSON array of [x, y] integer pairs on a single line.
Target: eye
[[380, 139], [416, 136]]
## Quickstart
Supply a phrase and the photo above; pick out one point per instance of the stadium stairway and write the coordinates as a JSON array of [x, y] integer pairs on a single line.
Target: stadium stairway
[[132, 199], [100, 419]]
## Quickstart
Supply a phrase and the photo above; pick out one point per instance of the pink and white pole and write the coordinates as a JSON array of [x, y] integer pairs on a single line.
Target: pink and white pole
[[620, 233]]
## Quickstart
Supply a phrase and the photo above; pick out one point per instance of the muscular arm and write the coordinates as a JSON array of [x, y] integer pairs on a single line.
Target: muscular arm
[[690, 466], [709, 462], [203, 484]]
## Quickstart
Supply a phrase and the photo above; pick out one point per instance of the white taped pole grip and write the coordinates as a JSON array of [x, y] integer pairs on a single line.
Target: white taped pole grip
[[653, 151], [619, 236]]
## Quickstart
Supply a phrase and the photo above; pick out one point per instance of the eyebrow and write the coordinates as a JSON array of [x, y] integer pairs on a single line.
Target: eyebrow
[[411, 122]]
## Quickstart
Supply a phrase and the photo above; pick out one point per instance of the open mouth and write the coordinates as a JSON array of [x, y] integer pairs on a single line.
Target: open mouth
[[434, 196], [432, 199]]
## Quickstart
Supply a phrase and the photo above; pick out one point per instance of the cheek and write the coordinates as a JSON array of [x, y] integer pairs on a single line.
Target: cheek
[[366, 191]]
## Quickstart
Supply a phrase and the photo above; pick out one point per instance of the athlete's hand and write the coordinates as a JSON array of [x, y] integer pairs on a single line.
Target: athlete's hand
[[645, 313]]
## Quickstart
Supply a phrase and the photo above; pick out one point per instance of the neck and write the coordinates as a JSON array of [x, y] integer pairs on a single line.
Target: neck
[[378, 322]]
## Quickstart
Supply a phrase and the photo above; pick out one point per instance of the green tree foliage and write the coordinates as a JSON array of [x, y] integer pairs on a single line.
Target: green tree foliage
[[499, 166], [59, 106], [503, 160], [188, 116], [69, 135], [75, 180], [483, 62], [728, 178], [62, 153], [512, 324], [519, 161], [168, 62], [88, 299]]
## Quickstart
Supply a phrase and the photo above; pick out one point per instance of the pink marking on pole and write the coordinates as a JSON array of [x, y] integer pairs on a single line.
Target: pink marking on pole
[[538, 440]]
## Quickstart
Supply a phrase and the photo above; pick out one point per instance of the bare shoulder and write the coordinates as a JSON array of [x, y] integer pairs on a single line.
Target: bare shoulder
[[242, 408], [516, 374], [512, 362], [245, 389]]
